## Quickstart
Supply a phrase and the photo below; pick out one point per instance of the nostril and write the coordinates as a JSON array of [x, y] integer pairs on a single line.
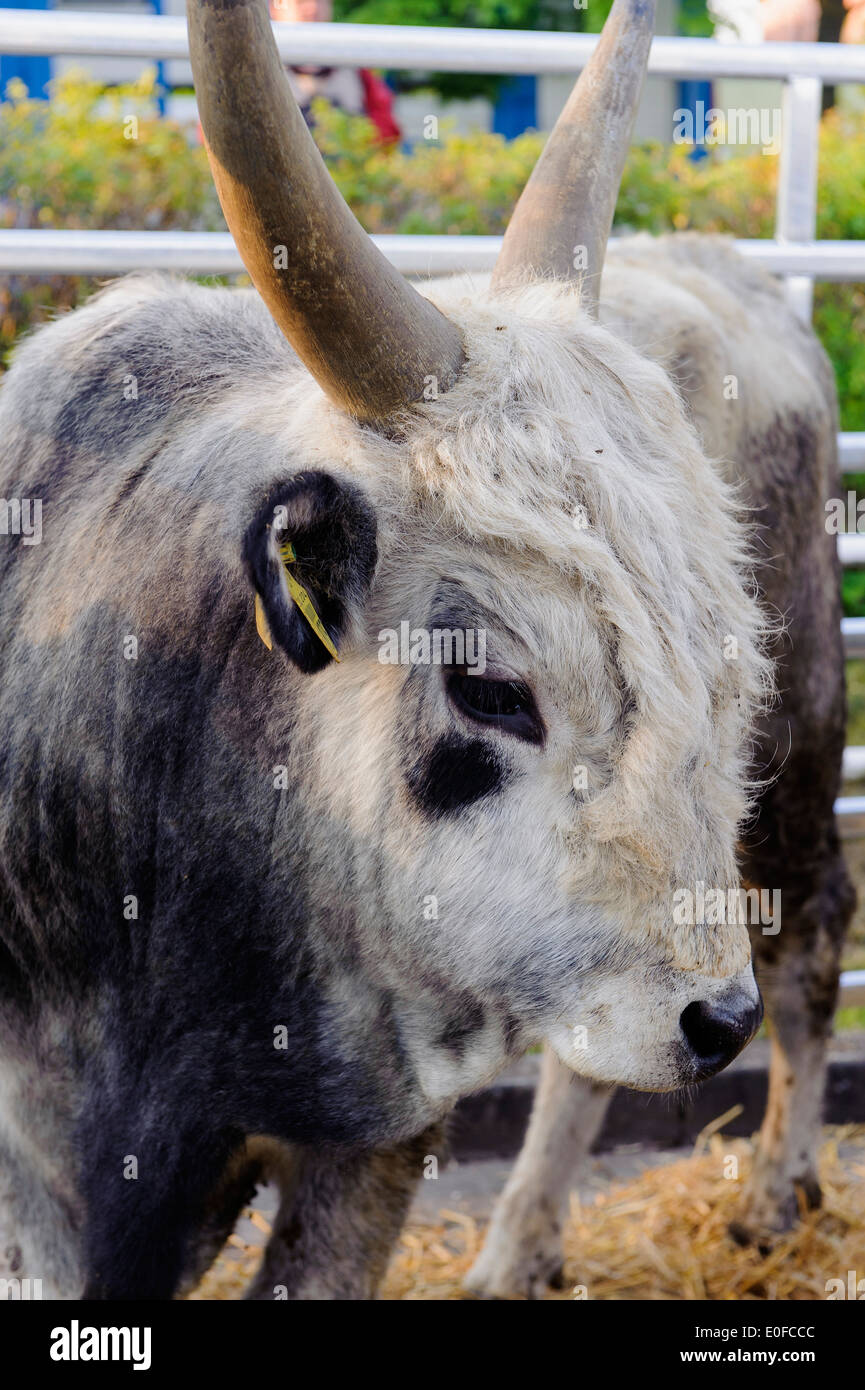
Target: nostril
[[717, 1032]]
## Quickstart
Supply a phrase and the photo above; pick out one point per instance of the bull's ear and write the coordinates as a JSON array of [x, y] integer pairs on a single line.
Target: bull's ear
[[329, 527]]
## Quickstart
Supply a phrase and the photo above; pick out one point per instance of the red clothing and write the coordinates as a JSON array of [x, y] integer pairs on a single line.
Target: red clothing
[[378, 103], [377, 106]]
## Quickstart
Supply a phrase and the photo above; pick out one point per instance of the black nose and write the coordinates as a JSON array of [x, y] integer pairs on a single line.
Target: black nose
[[717, 1032]]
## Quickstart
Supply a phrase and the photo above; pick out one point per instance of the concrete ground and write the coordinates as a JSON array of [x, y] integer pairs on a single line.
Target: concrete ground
[[473, 1187]]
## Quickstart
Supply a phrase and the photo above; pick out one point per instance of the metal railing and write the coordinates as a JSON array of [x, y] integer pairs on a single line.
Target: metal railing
[[214, 253], [803, 68], [793, 253], [430, 50]]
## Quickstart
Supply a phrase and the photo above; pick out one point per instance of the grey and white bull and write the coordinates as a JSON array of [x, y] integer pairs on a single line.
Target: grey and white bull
[[761, 393], [263, 912]]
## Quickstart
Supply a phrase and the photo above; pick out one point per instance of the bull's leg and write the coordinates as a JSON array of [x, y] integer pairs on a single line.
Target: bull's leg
[[40, 1254], [339, 1218], [234, 1190], [41, 1213], [523, 1250], [798, 974]]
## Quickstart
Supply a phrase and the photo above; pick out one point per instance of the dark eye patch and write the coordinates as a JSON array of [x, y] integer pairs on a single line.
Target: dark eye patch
[[506, 705], [455, 773]]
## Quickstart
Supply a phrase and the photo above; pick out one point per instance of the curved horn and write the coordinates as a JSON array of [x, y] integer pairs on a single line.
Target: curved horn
[[570, 198], [367, 336]]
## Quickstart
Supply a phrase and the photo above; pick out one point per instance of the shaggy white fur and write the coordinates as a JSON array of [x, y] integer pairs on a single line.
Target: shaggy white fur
[[561, 444]]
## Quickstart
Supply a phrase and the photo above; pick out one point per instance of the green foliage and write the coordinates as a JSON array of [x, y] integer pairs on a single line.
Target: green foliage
[[469, 14], [92, 158], [469, 184], [662, 188], [856, 697], [853, 598], [575, 16], [475, 14], [596, 15], [694, 21], [464, 184], [69, 163]]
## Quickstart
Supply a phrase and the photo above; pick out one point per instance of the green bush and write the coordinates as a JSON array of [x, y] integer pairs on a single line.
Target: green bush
[[534, 15], [69, 163], [464, 184], [96, 157], [469, 184], [92, 158]]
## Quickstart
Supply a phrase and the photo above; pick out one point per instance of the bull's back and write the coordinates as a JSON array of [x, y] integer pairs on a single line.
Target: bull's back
[[128, 421], [761, 392]]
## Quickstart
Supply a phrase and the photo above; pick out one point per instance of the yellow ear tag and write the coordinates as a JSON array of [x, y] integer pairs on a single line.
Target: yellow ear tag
[[261, 626], [288, 555]]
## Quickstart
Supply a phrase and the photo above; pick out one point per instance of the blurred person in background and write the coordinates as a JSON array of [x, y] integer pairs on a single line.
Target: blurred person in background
[[354, 90], [832, 21], [789, 21]]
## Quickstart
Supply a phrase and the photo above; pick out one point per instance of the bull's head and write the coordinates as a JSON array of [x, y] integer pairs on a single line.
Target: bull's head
[[507, 843]]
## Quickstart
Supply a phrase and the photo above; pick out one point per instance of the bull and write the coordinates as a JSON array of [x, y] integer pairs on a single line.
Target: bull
[[761, 393], [270, 904]]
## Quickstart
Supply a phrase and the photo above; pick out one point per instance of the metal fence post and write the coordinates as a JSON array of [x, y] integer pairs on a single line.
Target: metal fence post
[[796, 217]]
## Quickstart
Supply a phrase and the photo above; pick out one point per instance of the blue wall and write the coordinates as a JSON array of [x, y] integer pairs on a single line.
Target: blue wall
[[516, 109], [33, 72]]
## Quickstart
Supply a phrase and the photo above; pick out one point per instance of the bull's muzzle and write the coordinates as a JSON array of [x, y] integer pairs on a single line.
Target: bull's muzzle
[[716, 1032]]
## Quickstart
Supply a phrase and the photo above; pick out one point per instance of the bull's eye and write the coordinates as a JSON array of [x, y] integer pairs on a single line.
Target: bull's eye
[[505, 705]]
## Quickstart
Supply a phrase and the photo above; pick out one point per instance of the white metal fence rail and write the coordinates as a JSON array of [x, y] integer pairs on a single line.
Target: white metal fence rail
[[794, 253], [214, 253], [430, 50], [802, 67]]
